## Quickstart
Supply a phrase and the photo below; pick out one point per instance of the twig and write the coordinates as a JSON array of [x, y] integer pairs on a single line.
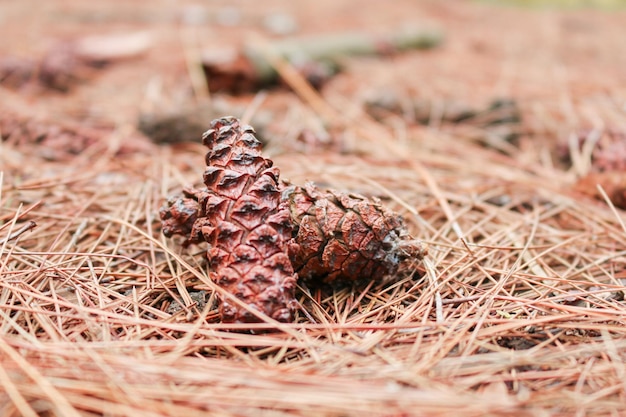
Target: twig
[[432, 277], [28, 226], [606, 198]]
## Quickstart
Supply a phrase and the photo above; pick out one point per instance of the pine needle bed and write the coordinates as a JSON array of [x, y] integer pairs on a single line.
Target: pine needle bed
[[518, 308]]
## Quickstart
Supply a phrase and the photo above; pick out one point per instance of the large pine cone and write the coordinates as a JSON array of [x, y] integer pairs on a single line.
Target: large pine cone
[[241, 216]]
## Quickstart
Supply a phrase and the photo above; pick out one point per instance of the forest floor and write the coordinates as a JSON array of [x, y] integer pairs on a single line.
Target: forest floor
[[502, 147]]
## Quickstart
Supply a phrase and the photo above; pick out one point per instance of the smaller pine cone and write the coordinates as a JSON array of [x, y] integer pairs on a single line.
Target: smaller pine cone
[[346, 237]]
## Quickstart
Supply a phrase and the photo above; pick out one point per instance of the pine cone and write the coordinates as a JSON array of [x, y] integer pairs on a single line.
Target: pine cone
[[258, 237], [241, 217], [346, 237]]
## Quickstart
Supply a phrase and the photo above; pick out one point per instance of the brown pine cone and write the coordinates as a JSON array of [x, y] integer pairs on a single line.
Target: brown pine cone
[[258, 237], [241, 217], [346, 237]]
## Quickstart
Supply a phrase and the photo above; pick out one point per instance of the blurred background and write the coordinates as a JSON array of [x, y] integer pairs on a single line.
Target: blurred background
[[520, 76]]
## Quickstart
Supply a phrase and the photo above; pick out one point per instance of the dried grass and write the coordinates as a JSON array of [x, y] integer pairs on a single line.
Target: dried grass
[[520, 312]]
